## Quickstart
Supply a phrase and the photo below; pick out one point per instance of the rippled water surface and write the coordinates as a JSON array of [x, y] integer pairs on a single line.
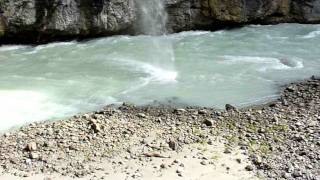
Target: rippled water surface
[[241, 66]]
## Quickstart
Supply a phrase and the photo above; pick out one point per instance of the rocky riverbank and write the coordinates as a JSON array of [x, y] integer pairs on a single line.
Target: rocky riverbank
[[281, 139]]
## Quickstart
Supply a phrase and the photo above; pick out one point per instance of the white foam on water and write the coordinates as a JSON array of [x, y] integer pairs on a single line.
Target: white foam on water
[[19, 107], [156, 74], [268, 36], [10, 48], [50, 46], [189, 33], [159, 74], [267, 63], [312, 34]]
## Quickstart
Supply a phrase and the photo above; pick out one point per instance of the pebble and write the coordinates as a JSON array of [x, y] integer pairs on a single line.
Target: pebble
[[208, 123], [227, 151], [142, 115], [238, 161], [249, 168], [202, 111], [179, 170], [34, 155], [173, 145], [203, 163], [31, 146], [163, 166]]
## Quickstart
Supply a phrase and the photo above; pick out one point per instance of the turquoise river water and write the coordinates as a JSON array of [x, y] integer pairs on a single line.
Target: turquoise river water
[[241, 66]]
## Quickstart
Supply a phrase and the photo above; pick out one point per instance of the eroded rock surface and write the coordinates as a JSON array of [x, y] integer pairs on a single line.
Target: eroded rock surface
[[35, 20], [38, 21]]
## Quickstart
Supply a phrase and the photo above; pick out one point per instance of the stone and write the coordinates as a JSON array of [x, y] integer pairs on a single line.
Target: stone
[[141, 115], [296, 174], [96, 127], [291, 88], [86, 116], [163, 166], [208, 122], [179, 170], [227, 151], [257, 160], [203, 163], [202, 111], [229, 107], [180, 111], [238, 160], [32, 146], [173, 145], [34, 155], [28, 161], [249, 168]]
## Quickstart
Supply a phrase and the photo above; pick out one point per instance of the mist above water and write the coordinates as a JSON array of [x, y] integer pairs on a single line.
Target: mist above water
[[241, 66], [152, 17]]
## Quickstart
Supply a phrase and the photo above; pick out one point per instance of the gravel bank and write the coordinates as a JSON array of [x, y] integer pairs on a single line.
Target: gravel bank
[[281, 139]]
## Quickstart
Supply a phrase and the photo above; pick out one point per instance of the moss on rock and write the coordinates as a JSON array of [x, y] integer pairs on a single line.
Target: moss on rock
[[227, 10]]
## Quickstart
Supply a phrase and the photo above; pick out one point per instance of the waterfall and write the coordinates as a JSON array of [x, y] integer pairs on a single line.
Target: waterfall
[[152, 18]]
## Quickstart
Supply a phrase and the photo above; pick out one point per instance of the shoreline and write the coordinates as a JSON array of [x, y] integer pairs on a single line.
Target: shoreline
[[280, 138]]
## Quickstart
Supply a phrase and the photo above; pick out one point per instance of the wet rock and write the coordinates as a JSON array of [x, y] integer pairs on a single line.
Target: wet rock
[[229, 107], [291, 88], [180, 111], [202, 111]]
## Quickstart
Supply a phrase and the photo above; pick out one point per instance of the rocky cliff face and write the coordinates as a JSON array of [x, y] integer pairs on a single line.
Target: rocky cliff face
[[213, 14], [41, 20], [45, 20]]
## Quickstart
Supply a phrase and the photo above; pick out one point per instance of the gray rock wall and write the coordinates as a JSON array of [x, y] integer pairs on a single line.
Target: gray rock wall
[[34, 21], [41, 20]]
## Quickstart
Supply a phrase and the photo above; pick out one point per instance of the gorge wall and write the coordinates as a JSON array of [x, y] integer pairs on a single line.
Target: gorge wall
[[36, 21]]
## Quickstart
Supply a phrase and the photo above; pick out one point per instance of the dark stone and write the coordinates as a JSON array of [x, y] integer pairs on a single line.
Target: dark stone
[[315, 78], [229, 107], [208, 122], [249, 168], [173, 145]]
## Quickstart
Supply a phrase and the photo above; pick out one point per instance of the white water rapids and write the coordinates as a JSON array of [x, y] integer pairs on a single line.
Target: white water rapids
[[240, 66]]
